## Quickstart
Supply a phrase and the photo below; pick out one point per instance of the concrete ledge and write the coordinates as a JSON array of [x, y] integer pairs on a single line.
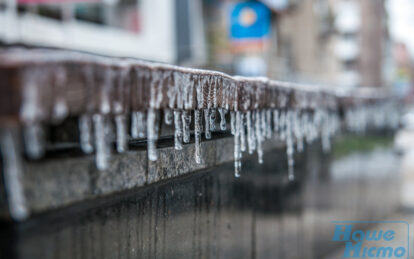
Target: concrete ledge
[[59, 182]]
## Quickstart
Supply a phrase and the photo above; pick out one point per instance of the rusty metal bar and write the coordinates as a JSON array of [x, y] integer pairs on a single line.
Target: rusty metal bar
[[66, 83]]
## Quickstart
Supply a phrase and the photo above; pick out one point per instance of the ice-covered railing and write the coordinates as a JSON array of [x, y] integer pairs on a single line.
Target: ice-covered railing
[[45, 86]]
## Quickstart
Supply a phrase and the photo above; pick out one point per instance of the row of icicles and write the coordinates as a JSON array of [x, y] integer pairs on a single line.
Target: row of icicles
[[250, 129]]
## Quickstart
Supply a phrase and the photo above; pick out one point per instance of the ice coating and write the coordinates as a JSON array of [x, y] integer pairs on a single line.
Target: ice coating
[[114, 89]]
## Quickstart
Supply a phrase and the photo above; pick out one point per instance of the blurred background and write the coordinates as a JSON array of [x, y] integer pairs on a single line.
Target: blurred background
[[335, 42]]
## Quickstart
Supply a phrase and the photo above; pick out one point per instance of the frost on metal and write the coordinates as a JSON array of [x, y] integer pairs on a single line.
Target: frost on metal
[[43, 86]]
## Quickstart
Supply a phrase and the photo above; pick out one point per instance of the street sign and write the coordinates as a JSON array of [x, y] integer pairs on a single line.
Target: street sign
[[249, 21]]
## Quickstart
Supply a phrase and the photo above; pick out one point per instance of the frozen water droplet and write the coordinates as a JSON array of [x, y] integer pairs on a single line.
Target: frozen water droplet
[[121, 133], [152, 133], [34, 140], [223, 125], [207, 132], [197, 135], [178, 132], [168, 116], [102, 147], [186, 117], [85, 129]]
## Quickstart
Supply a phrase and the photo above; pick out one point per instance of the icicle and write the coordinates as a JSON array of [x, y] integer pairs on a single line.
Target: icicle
[[121, 133], [268, 123], [186, 117], [178, 133], [197, 135], [259, 138], [207, 132], [251, 138], [289, 146], [101, 142], [232, 123], [325, 133], [275, 121], [85, 130], [152, 133], [282, 125], [12, 173], [298, 130], [263, 123], [307, 127], [60, 109], [223, 125], [34, 140], [242, 133], [213, 115], [138, 125], [134, 125], [168, 116], [237, 151]]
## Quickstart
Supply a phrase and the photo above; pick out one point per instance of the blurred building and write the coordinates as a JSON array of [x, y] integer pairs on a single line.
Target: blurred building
[[403, 75], [341, 42], [161, 30]]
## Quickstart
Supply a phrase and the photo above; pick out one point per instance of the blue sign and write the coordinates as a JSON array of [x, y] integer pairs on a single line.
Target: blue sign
[[249, 21]]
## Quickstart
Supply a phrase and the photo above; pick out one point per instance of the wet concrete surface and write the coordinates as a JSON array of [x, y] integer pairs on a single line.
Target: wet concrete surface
[[212, 214]]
